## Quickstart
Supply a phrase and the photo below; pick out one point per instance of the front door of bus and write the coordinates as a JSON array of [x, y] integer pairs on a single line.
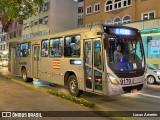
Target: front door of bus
[[93, 65], [36, 56]]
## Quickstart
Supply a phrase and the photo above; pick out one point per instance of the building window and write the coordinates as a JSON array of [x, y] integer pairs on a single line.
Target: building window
[[126, 19], [96, 7], [109, 22], [36, 22], [80, 9], [55, 47], [31, 35], [117, 21], [109, 5], [80, 20], [148, 15], [40, 21], [41, 9], [31, 23], [44, 48], [46, 32], [46, 6], [88, 10], [126, 2], [117, 4], [46, 20]]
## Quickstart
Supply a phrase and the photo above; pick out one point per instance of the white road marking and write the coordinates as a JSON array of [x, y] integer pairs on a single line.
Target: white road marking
[[148, 95]]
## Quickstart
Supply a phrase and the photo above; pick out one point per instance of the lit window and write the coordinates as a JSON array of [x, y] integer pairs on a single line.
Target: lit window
[[148, 15], [88, 10], [96, 7], [44, 48], [109, 5], [55, 47]]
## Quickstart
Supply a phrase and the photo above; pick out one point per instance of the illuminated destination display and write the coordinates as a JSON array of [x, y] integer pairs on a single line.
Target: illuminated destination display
[[120, 31]]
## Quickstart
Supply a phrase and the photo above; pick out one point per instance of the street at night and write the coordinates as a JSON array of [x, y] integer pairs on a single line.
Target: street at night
[[80, 59], [146, 100]]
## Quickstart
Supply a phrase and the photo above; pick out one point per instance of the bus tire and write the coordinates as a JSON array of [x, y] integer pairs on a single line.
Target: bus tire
[[73, 86], [24, 75]]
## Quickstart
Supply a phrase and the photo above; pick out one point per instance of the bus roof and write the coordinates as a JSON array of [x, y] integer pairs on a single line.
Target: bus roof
[[74, 31]]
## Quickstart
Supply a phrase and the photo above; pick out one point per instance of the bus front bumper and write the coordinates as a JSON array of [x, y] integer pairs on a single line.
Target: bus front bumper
[[119, 89]]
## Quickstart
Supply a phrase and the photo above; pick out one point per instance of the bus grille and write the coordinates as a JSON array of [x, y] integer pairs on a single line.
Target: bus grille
[[129, 88], [130, 75]]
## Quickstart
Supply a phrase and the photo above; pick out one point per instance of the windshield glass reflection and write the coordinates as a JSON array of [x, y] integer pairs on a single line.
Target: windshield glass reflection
[[124, 53]]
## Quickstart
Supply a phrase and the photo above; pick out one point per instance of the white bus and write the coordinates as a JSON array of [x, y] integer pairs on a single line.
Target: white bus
[[84, 59]]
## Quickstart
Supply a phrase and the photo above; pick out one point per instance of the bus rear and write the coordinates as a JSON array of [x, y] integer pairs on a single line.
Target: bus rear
[[125, 60]]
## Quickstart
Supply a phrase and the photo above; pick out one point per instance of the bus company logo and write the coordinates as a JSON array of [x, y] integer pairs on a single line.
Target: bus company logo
[[6, 114], [56, 64]]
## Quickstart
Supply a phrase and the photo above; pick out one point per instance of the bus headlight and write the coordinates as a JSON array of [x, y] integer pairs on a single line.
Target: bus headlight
[[112, 79], [157, 72]]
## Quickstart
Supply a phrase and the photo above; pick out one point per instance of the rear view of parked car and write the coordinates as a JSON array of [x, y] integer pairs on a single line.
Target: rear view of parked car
[[3, 62], [153, 74]]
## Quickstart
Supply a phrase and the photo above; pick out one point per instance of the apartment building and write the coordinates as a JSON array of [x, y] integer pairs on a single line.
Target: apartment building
[[54, 16], [141, 14], [3, 46], [80, 15]]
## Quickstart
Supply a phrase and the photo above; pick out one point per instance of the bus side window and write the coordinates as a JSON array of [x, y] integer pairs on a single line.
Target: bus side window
[[72, 46], [44, 48], [55, 47]]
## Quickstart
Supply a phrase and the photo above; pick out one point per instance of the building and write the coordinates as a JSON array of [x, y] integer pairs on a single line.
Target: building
[[3, 46], [141, 14], [80, 15], [54, 16]]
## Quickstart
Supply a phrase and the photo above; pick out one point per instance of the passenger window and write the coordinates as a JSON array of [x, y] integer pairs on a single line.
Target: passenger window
[[55, 47], [24, 49], [44, 48], [72, 46]]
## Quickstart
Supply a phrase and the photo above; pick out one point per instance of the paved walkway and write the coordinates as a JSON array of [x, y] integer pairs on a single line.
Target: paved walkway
[[16, 97]]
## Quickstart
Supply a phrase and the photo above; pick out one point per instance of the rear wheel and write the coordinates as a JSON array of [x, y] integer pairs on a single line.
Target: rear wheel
[[24, 75], [73, 86], [151, 79]]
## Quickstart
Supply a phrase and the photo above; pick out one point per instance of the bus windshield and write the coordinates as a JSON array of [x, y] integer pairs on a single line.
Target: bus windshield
[[125, 53]]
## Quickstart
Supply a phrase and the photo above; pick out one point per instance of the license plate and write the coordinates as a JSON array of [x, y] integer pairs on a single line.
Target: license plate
[[127, 81]]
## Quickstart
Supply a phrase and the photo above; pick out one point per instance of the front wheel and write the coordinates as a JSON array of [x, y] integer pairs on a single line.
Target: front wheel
[[24, 75], [73, 86], [151, 79]]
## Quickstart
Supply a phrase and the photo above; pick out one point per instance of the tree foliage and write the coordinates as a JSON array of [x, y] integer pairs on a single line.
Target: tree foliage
[[11, 10]]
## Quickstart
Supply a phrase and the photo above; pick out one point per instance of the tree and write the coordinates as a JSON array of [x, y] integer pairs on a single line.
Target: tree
[[11, 10]]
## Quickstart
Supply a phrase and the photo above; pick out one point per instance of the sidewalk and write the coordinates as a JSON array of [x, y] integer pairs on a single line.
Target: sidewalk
[[16, 97]]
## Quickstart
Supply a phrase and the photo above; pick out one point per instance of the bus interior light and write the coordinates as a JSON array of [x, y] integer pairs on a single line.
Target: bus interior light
[[76, 62]]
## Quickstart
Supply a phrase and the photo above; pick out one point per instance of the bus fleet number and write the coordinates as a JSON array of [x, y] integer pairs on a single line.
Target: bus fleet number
[[126, 81]]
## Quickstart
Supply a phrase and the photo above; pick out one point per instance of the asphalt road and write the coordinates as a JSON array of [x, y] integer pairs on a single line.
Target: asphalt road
[[146, 100]]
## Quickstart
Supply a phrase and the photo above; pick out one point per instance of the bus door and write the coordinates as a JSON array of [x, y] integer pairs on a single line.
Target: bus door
[[12, 60], [93, 65], [36, 56]]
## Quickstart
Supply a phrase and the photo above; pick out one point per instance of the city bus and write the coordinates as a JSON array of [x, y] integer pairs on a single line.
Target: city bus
[[84, 59]]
